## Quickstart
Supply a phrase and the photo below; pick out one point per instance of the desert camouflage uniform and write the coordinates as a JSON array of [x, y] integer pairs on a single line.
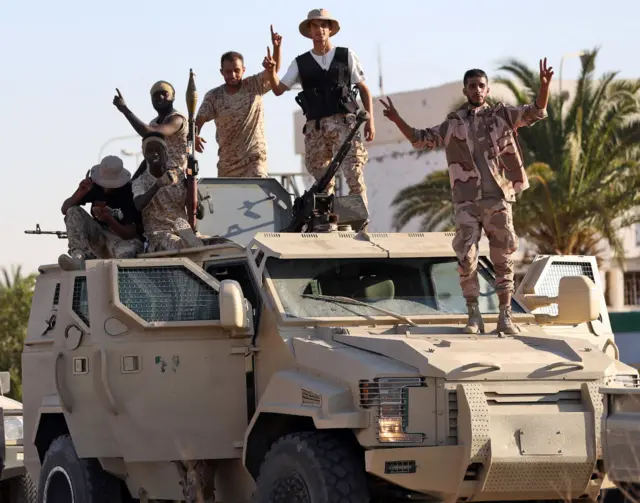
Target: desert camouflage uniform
[[239, 120], [87, 236], [177, 142], [323, 142], [486, 171], [165, 217]]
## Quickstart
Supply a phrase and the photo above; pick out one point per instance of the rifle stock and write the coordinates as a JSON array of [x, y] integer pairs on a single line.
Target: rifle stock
[[304, 206], [192, 162]]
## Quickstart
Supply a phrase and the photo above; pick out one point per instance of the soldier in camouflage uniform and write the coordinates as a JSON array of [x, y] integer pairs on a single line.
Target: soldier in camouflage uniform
[[170, 123], [486, 172], [327, 74], [160, 195], [237, 108], [112, 229]]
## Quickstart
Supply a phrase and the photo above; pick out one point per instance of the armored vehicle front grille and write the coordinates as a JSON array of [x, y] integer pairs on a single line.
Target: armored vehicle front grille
[[564, 397]]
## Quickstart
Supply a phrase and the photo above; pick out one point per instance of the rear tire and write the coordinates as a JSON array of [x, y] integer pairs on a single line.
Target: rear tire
[[65, 478], [312, 467], [23, 490]]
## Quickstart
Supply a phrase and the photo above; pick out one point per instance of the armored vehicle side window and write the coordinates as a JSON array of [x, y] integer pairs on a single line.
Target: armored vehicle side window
[[408, 286], [168, 293], [80, 303]]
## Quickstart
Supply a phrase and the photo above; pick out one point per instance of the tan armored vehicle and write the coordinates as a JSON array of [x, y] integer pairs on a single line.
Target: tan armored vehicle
[[313, 367], [15, 484]]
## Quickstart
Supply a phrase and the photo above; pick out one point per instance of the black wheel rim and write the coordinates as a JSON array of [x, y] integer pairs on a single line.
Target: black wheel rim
[[290, 489], [58, 487]]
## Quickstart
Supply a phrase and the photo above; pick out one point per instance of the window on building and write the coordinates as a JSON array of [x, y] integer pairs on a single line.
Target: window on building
[[637, 231], [632, 288]]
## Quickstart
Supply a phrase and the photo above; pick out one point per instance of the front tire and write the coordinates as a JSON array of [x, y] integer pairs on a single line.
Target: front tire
[[65, 478], [312, 467]]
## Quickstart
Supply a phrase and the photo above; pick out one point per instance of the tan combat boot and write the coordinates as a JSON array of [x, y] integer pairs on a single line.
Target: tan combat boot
[[505, 325], [475, 323], [72, 262]]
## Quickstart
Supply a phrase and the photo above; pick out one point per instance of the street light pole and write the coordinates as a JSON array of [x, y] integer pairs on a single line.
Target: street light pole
[[132, 153], [111, 140]]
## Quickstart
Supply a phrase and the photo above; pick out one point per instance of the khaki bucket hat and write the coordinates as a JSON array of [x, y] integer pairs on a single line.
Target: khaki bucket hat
[[322, 15], [110, 173]]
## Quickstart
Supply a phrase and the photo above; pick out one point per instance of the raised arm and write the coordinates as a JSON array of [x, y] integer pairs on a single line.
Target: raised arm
[[269, 65], [427, 139], [78, 197], [529, 114], [143, 129]]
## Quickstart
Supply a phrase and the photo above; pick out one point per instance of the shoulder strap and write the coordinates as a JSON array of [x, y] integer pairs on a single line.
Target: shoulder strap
[[340, 64], [306, 65]]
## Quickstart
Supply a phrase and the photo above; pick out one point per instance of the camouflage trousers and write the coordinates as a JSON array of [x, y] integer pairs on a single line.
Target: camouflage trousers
[[87, 236], [252, 165], [495, 217], [322, 143], [178, 237]]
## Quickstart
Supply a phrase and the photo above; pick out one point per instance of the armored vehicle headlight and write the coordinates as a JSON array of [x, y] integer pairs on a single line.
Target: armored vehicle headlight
[[13, 428], [626, 380], [389, 396]]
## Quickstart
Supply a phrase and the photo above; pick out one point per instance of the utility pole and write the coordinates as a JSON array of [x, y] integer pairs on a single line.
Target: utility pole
[[380, 83]]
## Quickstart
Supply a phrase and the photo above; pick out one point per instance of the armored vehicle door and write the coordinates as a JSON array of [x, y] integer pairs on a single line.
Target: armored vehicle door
[[621, 432], [168, 365]]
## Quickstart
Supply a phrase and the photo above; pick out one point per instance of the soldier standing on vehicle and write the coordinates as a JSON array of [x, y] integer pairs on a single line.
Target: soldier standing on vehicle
[[327, 74], [160, 195], [113, 231], [486, 171], [237, 109], [170, 123]]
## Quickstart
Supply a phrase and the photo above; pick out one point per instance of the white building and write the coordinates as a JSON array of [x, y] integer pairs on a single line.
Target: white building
[[393, 165]]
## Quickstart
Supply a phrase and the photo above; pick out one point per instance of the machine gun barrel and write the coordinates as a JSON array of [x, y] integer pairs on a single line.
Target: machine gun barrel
[[60, 234], [303, 206]]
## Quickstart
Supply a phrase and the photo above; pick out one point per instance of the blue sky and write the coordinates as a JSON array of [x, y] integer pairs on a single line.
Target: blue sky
[[61, 62]]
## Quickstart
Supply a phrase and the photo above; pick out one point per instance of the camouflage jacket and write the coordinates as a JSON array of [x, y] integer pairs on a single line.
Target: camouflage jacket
[[495, 132]]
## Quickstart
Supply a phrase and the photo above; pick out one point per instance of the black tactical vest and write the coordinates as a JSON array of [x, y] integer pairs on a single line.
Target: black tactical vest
[[326, 92]]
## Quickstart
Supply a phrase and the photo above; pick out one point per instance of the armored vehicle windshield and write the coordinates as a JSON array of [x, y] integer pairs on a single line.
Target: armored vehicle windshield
[[405, 286]]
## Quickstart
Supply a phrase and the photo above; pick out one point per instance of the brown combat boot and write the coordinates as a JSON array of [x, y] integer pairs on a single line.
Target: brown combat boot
[[475, 324], [505, 325]]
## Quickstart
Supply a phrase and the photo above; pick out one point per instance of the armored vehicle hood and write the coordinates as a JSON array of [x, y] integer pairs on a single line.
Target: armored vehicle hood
[[532, 355]]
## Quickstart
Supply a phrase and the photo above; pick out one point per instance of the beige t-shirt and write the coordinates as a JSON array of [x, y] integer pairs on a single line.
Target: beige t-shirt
[[166, 211], [239, 120]]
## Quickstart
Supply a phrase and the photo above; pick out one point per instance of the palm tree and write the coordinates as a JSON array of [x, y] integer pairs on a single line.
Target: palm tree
[[583, 163], [16, 292]]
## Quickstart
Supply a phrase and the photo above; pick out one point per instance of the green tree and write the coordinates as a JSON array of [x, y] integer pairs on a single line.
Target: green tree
[[16, 292], [582, 161]]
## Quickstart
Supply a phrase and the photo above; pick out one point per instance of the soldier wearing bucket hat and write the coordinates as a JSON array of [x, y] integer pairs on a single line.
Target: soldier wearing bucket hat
[[114, 229], [328, 75], [170, 123]]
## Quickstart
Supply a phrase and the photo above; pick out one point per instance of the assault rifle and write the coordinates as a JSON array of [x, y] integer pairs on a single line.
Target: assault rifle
[[315, 208], [192, 162], [60, 234]]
